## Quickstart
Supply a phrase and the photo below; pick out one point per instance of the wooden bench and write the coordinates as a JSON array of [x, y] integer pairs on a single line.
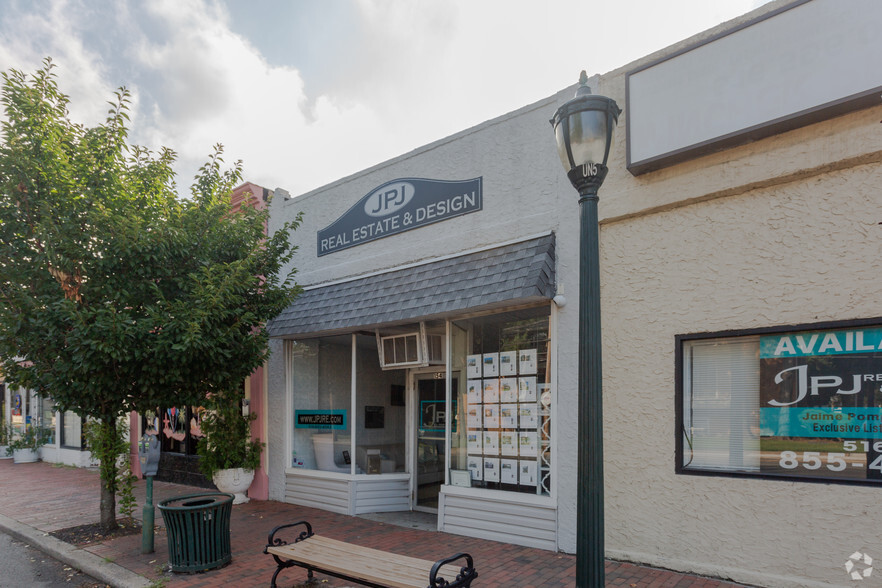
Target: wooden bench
[[370, 567]]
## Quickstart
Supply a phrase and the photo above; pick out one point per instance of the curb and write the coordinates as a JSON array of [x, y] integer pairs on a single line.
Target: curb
[[89, 563]]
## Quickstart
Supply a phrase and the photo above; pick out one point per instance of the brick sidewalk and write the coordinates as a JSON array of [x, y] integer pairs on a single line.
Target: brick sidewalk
[[49, 498]]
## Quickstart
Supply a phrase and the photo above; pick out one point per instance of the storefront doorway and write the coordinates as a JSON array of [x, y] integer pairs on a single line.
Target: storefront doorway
[[430, 394]]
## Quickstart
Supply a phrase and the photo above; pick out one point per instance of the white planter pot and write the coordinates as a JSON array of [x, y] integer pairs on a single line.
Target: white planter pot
[[25, 455], [235, 481], [3, 453]]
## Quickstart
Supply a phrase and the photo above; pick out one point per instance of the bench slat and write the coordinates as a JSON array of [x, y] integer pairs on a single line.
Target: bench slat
[[385, 573], [345, 550], [397, 571]]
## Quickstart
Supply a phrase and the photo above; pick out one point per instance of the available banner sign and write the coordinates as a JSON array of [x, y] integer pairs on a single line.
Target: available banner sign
[[821, 404], [398, 206]]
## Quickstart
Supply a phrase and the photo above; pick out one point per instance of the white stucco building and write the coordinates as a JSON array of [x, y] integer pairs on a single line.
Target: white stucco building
[[431, 362]]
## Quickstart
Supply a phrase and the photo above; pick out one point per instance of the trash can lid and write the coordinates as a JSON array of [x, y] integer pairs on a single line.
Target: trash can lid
[[195, 501]]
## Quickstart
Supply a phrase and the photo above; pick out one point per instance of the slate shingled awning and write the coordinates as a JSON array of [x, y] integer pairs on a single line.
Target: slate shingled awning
[[517, 273]]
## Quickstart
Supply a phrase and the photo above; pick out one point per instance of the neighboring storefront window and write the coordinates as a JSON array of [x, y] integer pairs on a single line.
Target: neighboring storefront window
[[71, 430], [805, 404], [178, 428], [47, 420], [504, 401]]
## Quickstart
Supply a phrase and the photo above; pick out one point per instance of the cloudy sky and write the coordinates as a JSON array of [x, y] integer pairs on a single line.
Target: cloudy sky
[[308, 91]]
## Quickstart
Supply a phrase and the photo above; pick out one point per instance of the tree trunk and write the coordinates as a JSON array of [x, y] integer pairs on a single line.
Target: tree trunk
[[105, 449], [108, 508]]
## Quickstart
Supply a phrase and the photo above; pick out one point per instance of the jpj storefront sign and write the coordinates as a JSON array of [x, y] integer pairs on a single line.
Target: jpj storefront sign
[[399, 206], [821, 403]]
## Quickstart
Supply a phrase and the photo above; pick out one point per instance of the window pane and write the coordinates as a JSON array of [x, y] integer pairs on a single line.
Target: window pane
[[411, 348], [321, 371], [381, 426], [722, 406], [47, 420], [72, 430], [506, 400], [400, 350], [389, 350]]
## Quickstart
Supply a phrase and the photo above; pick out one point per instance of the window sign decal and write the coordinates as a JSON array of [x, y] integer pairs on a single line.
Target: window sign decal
[[821, 404], [320, 419], [399, 206], [433, 415]]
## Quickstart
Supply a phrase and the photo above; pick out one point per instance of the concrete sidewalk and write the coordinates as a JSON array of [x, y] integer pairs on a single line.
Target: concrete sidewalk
[[36, 499]]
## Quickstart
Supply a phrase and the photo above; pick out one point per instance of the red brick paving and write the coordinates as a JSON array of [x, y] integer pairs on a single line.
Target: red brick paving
[[49, 498]]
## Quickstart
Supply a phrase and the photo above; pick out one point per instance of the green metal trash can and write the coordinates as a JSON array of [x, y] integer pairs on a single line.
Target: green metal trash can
[[198, 528]]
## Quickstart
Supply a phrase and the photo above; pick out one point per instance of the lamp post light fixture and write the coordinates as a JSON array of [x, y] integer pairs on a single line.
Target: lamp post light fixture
[[583, 129]]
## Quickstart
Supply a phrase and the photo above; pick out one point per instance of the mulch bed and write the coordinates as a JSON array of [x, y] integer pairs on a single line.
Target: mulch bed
[[93, 533]]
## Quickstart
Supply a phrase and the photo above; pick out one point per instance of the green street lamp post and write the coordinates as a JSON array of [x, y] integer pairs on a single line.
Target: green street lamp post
[[583, 130]]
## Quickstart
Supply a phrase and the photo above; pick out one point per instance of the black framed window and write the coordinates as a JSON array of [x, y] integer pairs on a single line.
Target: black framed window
[[802, 402]]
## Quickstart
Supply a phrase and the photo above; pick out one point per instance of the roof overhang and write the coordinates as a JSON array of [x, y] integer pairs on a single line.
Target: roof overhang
[[514, 274]]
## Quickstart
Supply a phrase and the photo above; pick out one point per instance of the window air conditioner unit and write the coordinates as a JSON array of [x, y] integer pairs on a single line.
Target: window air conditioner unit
[[410, 349]]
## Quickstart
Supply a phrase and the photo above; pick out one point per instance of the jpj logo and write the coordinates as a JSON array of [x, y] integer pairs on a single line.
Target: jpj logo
[[812, 385], [389, 199]]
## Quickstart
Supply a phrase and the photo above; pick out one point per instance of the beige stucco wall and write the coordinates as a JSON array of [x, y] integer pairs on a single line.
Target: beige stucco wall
[[800, 252], [778, 232]]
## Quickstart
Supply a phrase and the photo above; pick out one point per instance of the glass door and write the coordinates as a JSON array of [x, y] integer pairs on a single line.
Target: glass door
[[431, 420]]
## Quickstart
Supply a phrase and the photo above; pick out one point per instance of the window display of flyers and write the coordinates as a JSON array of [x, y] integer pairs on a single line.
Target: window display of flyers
[[527, 473], [491, 442], [508, 416], [491, 470], [491, 390], [475, 416], [473, 366], [527, 361], [529, 416], [508, 389], [508, 363], [476, 467], [475, 442], [474, 391], [508, 471], [508, 443], [491, 365], [528, 442], [527, 389], [491, 416]]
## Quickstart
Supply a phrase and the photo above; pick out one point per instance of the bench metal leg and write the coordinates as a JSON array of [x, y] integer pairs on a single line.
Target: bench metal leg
[[272, 541], [463, 579]]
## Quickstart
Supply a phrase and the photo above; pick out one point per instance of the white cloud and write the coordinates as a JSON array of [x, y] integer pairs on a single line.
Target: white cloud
[[415, 72], [27, 37]]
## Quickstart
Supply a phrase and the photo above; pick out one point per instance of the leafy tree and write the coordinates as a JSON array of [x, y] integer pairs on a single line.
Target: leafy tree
[[116, 294]]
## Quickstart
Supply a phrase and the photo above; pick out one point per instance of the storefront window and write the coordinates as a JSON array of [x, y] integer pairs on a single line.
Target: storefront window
[[321, 371], [322, 380], [800, 404], [505, 401]]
